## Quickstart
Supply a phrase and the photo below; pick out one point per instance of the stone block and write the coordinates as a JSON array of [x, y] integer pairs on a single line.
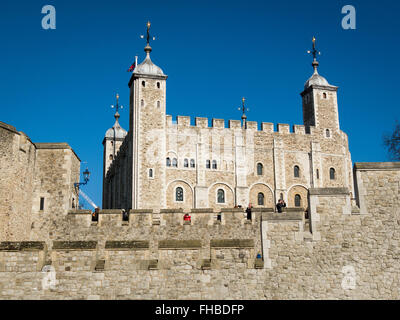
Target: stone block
[[100, 265], [179, 244], [22, 246], [259, 264], [267, 127], [206, 264], [127, 245], [252, 125], [153, 264], [201, 122], [218, 123], [234, 124], [74, 245], [232, 243]]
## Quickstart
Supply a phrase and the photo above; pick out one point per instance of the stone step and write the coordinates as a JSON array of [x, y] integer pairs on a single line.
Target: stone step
[[308, 236], [306, 225]]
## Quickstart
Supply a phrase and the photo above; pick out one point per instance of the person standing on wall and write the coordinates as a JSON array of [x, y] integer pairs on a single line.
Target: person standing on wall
[[281, 204], [248, 211]]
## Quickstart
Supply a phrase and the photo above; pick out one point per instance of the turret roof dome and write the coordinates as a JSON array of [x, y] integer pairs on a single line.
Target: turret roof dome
[[116, 130]]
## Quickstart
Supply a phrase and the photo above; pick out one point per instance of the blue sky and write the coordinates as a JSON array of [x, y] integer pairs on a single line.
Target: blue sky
[[58, 85]]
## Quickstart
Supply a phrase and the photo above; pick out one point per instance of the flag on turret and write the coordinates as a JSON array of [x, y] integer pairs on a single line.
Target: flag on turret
[[132, 67]]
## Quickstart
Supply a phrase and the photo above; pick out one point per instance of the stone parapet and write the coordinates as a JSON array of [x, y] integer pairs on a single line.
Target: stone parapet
[[376, 166], [8, 127], [328, 191], [267, 127], [284, 216], [140, 211], [73, 212]]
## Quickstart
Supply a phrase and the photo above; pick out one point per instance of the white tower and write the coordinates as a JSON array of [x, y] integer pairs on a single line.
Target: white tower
[[147, 126]]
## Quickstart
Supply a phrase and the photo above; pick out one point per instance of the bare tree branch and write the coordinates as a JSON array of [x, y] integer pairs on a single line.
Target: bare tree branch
[[392, 142]]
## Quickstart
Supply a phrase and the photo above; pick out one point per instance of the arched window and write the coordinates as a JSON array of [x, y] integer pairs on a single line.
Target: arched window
[[168, 162], [214, 164], [175, 162], [317, 174], [192, 163], [208, 164], [297, 200], [327, 133], [260, 199], [158, 85], [144, 84], [324, 95], [111, 157], [221, 196], [332, 173], [186, 163], [259, 169], [281, 196], [179, 194], [296, 171], [150, 173]]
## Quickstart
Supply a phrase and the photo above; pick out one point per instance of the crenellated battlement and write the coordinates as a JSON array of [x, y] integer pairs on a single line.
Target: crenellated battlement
[[267, 127], [165, 218]]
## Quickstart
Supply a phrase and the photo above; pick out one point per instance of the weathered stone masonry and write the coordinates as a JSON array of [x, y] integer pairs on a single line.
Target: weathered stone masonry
[[31, 171], [158, 256], [160, 158], [346, 248]]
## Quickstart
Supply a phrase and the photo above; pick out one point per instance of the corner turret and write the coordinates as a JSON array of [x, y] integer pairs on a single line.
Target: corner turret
[[320, 107], [113, 140]]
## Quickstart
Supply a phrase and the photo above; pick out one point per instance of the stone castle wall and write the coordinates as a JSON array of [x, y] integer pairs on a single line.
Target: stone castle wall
[[158, 256], [17, 163], [57, 169], [31, 171]]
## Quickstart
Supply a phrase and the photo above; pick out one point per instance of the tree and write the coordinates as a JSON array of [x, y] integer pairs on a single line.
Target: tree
[[392, 142]]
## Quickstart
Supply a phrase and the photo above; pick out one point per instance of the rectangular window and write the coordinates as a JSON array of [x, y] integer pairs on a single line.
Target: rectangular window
[[41, 204]]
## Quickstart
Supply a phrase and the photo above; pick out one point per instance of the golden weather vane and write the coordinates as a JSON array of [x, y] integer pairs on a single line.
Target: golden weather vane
[[117, 106], [244, 109], [314, 51], [148, 25]]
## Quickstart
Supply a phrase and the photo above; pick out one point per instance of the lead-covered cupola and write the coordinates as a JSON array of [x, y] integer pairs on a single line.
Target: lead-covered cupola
[[147, 67], [316, 79], [116, 132]]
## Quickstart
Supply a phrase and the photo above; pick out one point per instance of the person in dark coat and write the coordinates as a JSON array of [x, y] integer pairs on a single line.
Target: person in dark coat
[[248, 211], [281, 204]]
